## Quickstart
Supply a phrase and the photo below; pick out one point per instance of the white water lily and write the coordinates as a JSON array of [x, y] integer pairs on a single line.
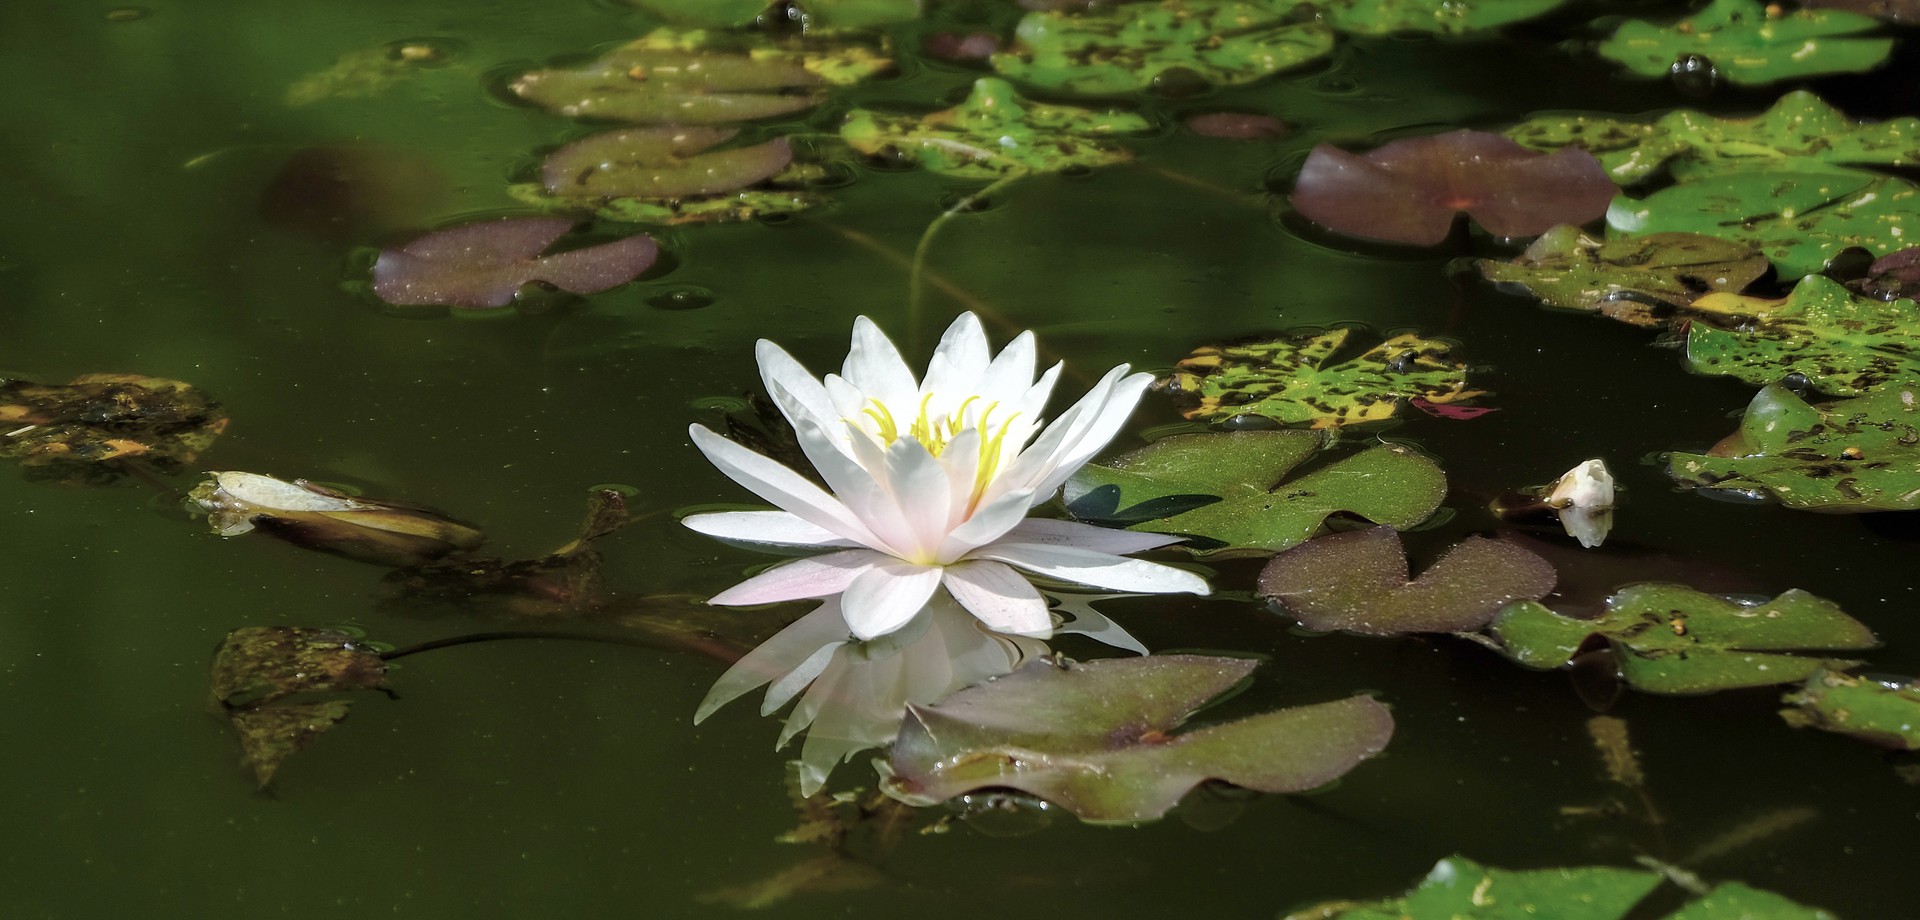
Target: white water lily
[[1584, 498]]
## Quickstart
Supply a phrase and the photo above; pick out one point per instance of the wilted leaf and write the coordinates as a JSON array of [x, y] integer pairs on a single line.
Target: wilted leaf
[[1096, 738], [1123, 48], [1627, 279], [1231, 489], [1673, 639], [1294, 380], [1751, 43], [664, 162], [1842, 344], [1880, 711], [70, 431], [1855, 455], [1409, 190], [316, 517], [1357, 582], [995, 133], [257, 668], [1460, 17], [271, 734], [484, 264]]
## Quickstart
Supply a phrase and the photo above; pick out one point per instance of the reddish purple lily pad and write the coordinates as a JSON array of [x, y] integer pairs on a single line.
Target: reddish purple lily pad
[[1454, 412], [1238, 126], [1357, 582], [1409, 190], [1893, 276], [961, 48], [664, 162], [484, 264]]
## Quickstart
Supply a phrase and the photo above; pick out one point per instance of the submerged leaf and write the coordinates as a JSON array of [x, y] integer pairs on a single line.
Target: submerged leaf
[[1855, 455], [1128, 47], [1096, 738], [1842, 344], [995, 133], [1293, 380], [1408, 190], [665, 162], [72, 431], [484, 264], [1752, 43], [258, 668], [1884, 712], [1456, 17], [1627, 279], [564, 582], [1357, 582]]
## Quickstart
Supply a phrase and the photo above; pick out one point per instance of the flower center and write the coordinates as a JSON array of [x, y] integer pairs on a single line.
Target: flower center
[[935, 432]]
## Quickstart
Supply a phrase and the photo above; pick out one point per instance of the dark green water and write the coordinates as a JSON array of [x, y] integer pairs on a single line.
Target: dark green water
[[555, 779]]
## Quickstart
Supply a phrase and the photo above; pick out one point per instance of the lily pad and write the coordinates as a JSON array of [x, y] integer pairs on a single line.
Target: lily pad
[[1230, 489], [648, 86], [1294, 380], [1855, 455], [786, 192], [262, 677], [1673, 639], [1387, 17], [1751, 43], [484, 264], [1097, 738], [815, 14], [1798, 220], [1635, 280], [1357, 582], [1843, 344], [1128, 47], [1408, 191], [1892, 277], [82, 431], [1902, 11], [1879, 711], [664, 162], [995, 133]]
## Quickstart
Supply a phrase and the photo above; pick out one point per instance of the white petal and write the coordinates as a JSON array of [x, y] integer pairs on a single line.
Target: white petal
[[886, 596], [999, 597], [1103, 423], [791, 683], [862, 490], [775, 527], [822, 628], [960, 361], [961, 459], [921, 494], [1096, 626], [846, 398], [874, 366], [785, 488], [1087, 536], [793, 389], [1101, 570], [1038, 460], [1009, 379], [989, 522], [816, 576]]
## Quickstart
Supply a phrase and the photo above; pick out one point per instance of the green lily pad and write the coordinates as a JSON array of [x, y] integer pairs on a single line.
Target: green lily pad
[[262, 675], [1294, 380], [784, 193], [1885, 712], [661, 162], [1673, 639], [1735, 901], [85, 431], [1855, 455], [1798, 220], [1097, 738], [1386, 17], [1844, 344], [1635, 280], [1357, 582], [1127, 47], [995, 133], [1901, 11], [1230, 489], [832, 14], [1751, 43], [1800, 133]]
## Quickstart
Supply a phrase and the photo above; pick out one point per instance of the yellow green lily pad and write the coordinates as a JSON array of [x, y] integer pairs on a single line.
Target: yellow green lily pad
[[1851, 456], [1296, 380], [996, 133], [1751, 42], [1636, 280], [1842, 343], [1460, 17], [1127, 47]]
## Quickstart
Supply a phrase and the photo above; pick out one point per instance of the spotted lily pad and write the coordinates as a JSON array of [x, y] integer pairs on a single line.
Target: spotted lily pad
[[1750, 43], [815, 14], [648, 86], [1230, 491], [786, 192], [484, 264], [1880, 711], [1855, 455], [995, 133], [1673, 639], [1635, 280], [1357, 582], [1097, 738], [264, 678], [1843, 344], [1798, 220], [1387, 17], [82, 431], [1127, 47], [663, 162], [1295, 380]]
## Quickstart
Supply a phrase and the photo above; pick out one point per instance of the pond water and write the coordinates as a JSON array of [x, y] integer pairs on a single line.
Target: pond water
[[150, 228]]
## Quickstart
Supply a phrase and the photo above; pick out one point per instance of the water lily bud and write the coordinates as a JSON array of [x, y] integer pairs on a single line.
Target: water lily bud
[[1584, 498], [316, 517]]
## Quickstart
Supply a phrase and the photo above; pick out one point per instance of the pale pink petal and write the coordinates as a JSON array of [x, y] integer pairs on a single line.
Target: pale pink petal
[[921, 491], [786, 489], [999, 597], [989, 522], [874, 366], [814, 576], [1087, 536], [778, 528], [822, 628], [886, 596], [861, 489], [1100, 570], [959, 361]]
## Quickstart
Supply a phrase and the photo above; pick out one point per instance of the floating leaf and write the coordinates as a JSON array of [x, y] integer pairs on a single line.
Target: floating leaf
[[1295, 381], [1798, 220], [1884, 712], [1097, 739], [1891, 277], [813, 14], [369, 71], [1855, 455], [258, 668], [1388, 17], [1357, 582], [1231, 489], [1844, 345], [1751, 43], [484, 264], [1125, 48], [1408, 190], [73, 431], [1628, 279], [666, 162], [1901, 11], [316, 517], [1673, 639], [786, 192], [995, 133], [652, 86]]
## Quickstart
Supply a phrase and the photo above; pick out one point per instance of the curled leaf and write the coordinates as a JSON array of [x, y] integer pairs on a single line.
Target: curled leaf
[[484, 264], [316, 517]]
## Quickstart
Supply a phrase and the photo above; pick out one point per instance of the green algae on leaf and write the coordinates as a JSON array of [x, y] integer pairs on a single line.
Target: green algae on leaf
[[1635, 280], [786, 192], [1127, 47], [1750, 43], [1799, 220], [1387, 17], [1296, 381], [1673, 639], [995, 133], [1842, 343], [1231, 489], [1098, 738], [257, 669], [1357, 582], [660, 162], [1855, 455], [1883, 712], [85, 430]]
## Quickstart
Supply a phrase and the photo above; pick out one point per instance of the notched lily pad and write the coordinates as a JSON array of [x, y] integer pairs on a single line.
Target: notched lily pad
[[484, 264], [1408, 191], [1879, 711], [995, 133], [664, 162], [1751, 43], [264, 678], [1855, 455], [1295, 380], [1460, 17], [1357, 582], [1844, 345], [77, 431], [1635, 280], [1130, 47], [1230, 489], [1673, 639], [1097, 738]]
